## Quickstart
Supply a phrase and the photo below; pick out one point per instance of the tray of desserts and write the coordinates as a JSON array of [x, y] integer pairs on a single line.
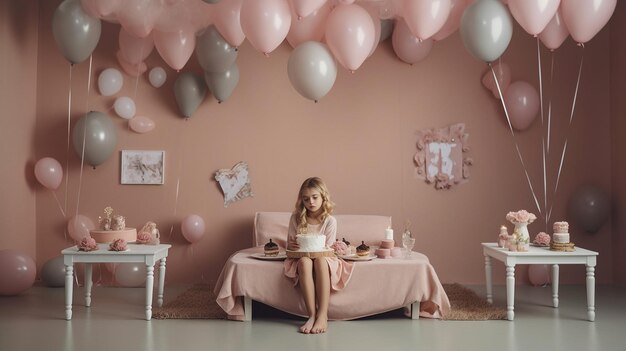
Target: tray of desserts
[[262, 256]]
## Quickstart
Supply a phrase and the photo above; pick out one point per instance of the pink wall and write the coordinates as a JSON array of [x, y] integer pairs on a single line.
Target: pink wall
[[18, 101], [618, 144], [360, 138]]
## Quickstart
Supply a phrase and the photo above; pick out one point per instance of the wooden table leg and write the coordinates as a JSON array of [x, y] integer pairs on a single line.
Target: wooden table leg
[[161, 281], [69, 287], [510, 292], [488, 280], [88, 283], [555, 285], [149, 287], [591, 293]]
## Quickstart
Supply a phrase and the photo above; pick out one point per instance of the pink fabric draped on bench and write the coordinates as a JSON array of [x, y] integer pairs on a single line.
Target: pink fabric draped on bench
[[376, 286]]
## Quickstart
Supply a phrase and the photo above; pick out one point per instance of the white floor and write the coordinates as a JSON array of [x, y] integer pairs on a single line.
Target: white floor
[[35, 321]]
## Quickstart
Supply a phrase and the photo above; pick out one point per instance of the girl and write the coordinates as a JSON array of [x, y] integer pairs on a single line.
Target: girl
[[316, 276]]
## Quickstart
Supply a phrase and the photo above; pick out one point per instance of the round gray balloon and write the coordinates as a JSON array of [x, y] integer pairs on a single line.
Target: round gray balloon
[[312, 70], [222, 84], [99, 135], [53, 272], [189, 91], [589, 208], [76, 33], [486, 29], [213, 52]]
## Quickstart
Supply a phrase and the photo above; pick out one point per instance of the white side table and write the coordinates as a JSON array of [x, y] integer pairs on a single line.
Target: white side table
[[148, 254], [540, 255]]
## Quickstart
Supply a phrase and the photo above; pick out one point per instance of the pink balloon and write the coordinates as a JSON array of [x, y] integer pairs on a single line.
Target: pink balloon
[[522, 103], [585, 18], [408, 48], [49, 172], [538, 274], [131, 69], [141, 124], [192, 228], [79, 226], [139, 16], [134, 49], [227, 20], [100, 8], [303, 8], [175, 48], [373, 11], [533, 15], [555, 32], [503, 73], [350, 35], [265, 23], [454, 19], [309, 28], [17, 272], [426, 17]]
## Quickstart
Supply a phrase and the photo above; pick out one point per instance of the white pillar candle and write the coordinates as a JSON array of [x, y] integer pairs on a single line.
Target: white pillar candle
[[389, 234]]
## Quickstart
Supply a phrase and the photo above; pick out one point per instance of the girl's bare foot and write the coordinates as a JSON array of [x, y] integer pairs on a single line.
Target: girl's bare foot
[[320, 326], [306, 327]]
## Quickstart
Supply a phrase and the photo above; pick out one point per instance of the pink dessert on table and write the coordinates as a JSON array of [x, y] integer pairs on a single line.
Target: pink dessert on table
[[560, 227], [87, 244], [396, 251], [542, 239], [383, 253], [387, 244], [118, 245], [341, 248]]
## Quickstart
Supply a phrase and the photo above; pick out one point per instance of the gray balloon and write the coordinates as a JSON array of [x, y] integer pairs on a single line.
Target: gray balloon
[[76, 33], [486, 29], [189, 91], [386, 28], [222, 84], [589, 208], [211, 1], [213, 52], [312, 70], [53, 272], [99, 135]]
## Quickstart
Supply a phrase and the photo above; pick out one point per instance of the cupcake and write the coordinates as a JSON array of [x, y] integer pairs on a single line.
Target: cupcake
[[271, 249], [363, 250]]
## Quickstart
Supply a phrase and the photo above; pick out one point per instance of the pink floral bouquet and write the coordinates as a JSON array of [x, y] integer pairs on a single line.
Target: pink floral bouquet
[[542, 239], [341, 248], [521, 216], [144, 238], [87, 244], [118, 245]]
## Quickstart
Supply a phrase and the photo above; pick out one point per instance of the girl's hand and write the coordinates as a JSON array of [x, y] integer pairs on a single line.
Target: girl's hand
[[293, 247]]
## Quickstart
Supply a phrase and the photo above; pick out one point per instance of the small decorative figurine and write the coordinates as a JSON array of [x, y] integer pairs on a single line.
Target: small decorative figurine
[[503, 237], [149, 234], [118, 222]]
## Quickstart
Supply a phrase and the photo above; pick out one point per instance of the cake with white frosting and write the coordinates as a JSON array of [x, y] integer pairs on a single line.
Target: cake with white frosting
[[311, 242], [561, 238]]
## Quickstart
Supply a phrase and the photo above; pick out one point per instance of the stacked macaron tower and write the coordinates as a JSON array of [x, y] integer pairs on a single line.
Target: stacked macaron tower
[[387, 249], [560, 238]]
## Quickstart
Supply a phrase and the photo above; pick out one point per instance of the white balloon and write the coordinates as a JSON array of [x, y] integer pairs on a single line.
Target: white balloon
[[157, 77], [110, 82], [124, 107]]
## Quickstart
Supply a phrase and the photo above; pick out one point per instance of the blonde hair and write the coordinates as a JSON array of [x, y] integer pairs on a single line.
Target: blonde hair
[[327, 207]]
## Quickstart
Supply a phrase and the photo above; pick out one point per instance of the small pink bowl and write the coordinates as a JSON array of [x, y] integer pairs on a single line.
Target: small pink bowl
[[382, 253]]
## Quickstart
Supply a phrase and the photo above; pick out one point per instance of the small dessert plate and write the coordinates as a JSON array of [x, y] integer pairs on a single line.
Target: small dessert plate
[[355, 257], [261, 256]]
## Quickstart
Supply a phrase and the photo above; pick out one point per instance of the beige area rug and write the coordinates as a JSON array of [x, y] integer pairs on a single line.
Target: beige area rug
[[199, 303]]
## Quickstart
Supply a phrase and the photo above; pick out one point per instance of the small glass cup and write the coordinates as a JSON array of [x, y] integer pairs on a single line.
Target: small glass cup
[[408, 243]]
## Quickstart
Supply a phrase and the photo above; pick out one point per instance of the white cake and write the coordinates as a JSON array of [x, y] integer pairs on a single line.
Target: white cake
[[561, 233], [311, 242], [560, 238]]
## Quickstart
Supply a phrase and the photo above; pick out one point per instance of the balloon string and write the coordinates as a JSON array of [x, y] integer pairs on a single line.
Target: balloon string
[[519, 153], [67, 151], [58, 204], [543, 139], [571, 117], [550, 103], [82, 163], [88, 83], [180, 167]]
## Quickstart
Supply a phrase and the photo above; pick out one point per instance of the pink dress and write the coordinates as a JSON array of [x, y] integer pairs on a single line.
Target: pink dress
[[340, 270]]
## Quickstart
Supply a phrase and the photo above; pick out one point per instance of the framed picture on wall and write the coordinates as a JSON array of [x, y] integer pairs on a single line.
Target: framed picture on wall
[[142, 167]]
